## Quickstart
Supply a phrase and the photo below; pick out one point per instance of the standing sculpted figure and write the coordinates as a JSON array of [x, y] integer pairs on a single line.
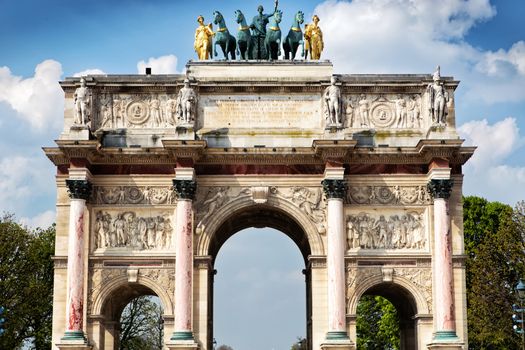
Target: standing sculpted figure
[[186, 101], [156, 112], [332, 98], [364, 108], [314, 39], [258, 28], [438, 96], [82, 103], [202, 43]]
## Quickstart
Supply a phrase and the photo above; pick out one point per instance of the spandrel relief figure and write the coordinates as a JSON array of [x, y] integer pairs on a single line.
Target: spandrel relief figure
[[438, 99], [414, 112], [106, 112], [186, 105], [82, 103], [203, 39], [171, 112], [401, 112], [364, 111], [314, 39], [332, 100], [156, 112]]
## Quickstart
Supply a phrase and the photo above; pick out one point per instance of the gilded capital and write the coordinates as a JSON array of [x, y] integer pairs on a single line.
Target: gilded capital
[[440, 188], [185, 189], [79, 189], [334, 188]]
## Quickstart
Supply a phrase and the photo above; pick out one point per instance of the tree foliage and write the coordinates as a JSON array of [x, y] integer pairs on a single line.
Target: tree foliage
[[300, 344], [224, 347], [26, 284], [377, 324], [141, 325], [495, 261]]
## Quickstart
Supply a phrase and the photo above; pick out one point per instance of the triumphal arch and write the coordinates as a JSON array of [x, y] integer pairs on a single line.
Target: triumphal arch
[[362, 172]]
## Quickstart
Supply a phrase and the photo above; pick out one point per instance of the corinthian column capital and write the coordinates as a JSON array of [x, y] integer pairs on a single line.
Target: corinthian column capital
[[334, 188], [185, 189], [79, 189], [440, 188]]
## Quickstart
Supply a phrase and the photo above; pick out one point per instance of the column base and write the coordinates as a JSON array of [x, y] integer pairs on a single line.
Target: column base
[[182, 340], [337, 340], [74, 340], [445, 340]]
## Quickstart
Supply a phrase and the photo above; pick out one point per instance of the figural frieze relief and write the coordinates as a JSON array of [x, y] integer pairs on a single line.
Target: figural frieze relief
[[132, 230], [116, 111], [396, 230], [389, 195], [384, 111], [127, 195]]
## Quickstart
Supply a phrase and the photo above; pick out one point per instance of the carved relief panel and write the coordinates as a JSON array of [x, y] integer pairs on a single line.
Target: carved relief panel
[[157, 111], [135, 230], [385, 111], [387, 230], [389, 195], [126, 195]]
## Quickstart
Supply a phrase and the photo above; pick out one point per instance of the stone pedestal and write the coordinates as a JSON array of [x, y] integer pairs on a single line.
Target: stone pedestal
[[338, 346], [182, 345], [446, 346]]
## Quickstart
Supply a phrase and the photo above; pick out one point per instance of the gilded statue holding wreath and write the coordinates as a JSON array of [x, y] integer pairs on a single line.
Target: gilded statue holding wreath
[[203, 39], [314, 39]]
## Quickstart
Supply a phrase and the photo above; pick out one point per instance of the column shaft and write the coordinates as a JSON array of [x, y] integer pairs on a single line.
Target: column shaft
[[183, 266], [79, 192], [335, 266], [75, 267], [445, 320]]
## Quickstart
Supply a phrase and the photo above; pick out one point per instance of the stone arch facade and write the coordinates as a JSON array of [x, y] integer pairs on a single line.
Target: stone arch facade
[[145, 201], [108, 290], [421, 303], [230, 209]]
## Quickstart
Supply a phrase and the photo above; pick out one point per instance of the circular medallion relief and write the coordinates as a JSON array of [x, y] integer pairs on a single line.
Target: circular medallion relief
[[137, 112], [382, 115]]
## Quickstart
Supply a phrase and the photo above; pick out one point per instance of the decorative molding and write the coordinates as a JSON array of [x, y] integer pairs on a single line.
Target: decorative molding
[[334, 188], [389, 195], [440, 188], [79, 189], [133, 195], [185, 189]]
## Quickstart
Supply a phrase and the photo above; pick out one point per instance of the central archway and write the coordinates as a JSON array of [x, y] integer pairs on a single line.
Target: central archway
[[264, 216]]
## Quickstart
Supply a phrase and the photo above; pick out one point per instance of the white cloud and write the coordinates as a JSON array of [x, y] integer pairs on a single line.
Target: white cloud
[[22, 179], [486, 174], [495, 142], [159, 65], [42, 220], [39, 99], [407, 36], [91, 71]]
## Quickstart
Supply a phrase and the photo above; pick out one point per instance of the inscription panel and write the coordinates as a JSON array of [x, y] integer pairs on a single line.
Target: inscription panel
[[260, 112]]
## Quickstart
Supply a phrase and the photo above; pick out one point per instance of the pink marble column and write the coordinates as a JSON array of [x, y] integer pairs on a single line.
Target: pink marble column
[[335, 191], [444, 286], [79, 192], [184, 260]]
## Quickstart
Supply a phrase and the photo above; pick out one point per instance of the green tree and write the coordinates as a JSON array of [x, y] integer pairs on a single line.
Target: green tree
[[26, 284], [377, 324], [141, 326], [495, 261], [300, 344]]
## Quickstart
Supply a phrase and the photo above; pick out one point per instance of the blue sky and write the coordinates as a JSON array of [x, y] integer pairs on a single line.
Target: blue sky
[[480, 42]]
